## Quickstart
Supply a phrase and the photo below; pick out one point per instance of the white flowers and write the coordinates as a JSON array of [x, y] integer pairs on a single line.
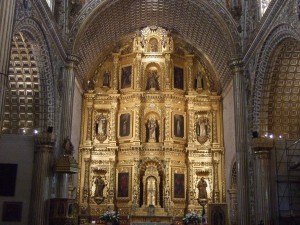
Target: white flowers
[[192, 218], [110, 216]]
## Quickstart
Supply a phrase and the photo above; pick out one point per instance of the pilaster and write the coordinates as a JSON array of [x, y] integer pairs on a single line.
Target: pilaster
[[262, 165], [240, 109], [233, 206], [44, 145]]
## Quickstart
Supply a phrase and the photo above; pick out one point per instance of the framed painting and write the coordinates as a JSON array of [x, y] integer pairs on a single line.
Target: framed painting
[[123, 185], [125, 125], [126, 77], [178, 126], [178, 78], [179, 185], [12, 212]]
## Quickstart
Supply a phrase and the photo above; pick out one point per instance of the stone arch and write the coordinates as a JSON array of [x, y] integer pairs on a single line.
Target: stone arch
[[35, 35], [276, 37]]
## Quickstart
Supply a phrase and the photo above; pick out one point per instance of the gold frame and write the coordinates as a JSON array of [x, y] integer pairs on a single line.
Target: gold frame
[[183, 78], [131, 79], [183, 114], [124, 170], [130, 123], [179, 171]]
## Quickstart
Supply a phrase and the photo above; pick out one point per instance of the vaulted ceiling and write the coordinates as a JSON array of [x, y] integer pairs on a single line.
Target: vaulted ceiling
[[206, 25]]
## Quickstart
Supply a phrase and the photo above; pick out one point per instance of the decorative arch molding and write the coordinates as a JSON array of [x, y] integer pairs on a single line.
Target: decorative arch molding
[[276, 37], [35, 35], [144, 162]]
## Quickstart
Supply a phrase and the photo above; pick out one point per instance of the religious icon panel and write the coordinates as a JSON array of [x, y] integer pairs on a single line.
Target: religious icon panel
[[126, 77], [178, 78], [179, 188], [125, 126], [178, 126], [123, 185]]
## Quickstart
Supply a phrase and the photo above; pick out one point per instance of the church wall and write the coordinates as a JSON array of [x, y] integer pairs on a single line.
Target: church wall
[[18, 149], [229, 134]]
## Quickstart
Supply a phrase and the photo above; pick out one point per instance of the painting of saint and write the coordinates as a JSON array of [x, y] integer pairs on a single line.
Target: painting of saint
[[178, 185], [178, 78], [123, 184], [178, 126], [126, 77], [124, 125]]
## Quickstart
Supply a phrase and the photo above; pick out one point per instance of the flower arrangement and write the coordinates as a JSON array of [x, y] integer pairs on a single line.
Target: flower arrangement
[[192, 218], [110, 216]]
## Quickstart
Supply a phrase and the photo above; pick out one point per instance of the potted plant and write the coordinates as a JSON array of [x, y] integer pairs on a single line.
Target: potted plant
[[110, 217], [192, 218]]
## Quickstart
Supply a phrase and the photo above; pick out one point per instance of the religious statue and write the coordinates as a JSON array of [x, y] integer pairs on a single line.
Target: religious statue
[[152, 81], [199, 81], [91, 85], [152, 129], [100, 184], [202, 130], [101, 126], [202, 185], [68, 147]]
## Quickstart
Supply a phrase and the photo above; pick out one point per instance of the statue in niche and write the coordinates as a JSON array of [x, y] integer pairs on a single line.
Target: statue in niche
[[199, 81], [202, 185], [106, 77], [100, 185], [152, 83], [202, 130], [101, 127], [152, 126]]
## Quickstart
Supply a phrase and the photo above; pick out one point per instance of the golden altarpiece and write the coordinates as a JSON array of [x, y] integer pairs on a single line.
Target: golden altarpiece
[[151, 138]]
